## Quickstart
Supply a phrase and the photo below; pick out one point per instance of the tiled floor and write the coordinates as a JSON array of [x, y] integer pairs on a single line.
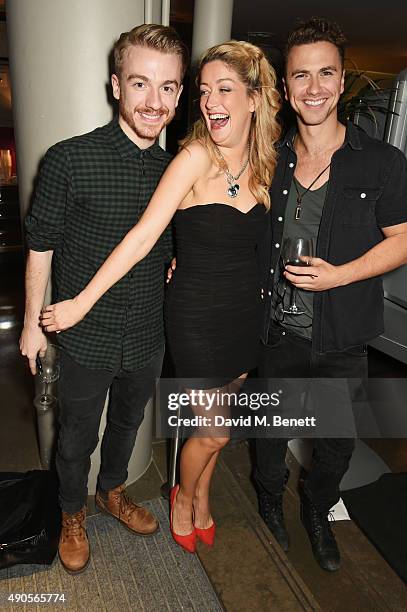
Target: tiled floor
[[245, 566], [242, 566]]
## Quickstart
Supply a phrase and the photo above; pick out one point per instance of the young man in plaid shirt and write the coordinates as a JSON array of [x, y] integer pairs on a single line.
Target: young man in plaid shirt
[[91, 191]]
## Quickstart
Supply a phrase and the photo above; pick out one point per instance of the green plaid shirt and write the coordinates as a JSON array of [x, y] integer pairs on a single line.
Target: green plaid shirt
[[91, 190]]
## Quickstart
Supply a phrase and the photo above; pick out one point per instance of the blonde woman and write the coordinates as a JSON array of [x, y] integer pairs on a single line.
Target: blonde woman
[[217, 190]]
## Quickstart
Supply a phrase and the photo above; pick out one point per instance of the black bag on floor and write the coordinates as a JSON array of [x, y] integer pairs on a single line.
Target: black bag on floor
[[30, 518]]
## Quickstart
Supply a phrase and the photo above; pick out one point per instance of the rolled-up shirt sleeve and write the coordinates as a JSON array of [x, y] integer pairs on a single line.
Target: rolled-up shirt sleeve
[[391, 208], [44, 224]]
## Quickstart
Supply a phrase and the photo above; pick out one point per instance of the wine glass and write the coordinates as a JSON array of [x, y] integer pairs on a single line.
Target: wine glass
[[48, 367], [296, 252]]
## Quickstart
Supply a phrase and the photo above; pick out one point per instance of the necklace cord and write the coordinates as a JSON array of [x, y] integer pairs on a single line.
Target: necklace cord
[[301, 195]]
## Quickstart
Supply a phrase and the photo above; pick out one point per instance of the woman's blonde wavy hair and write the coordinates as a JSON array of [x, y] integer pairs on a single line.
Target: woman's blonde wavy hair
[[254, 70]]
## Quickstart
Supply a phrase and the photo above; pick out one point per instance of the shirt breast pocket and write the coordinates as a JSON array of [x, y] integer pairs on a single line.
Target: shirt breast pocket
[[359, 205]]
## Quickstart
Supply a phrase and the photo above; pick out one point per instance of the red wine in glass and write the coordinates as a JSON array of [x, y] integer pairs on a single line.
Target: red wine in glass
[[295, 262], [296, 252]]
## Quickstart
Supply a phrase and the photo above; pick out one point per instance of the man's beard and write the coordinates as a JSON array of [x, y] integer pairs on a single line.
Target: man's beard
[[143, 130]]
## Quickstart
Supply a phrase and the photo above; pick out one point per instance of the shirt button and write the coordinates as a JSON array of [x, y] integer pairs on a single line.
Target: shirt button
[[285, 191], [279, 218], [271, 270], [269, 292], [283, 333], [277, 245], [291, 165], [362, 195]]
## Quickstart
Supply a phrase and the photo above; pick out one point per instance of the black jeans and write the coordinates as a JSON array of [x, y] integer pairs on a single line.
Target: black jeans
[[289, 356], [82, 394]]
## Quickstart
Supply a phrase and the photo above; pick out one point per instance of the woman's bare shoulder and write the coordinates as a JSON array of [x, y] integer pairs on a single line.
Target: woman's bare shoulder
[[190, 163], [196, 152]]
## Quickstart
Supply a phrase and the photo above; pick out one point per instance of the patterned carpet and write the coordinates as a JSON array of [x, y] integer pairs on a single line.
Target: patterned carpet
[[126, 572]]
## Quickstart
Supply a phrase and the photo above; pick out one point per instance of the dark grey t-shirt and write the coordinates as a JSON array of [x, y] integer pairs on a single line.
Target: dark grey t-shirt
[[307, 226]]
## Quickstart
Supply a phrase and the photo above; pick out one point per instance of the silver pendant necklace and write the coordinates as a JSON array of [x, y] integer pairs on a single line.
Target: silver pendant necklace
[[234, 187], [300, 196]]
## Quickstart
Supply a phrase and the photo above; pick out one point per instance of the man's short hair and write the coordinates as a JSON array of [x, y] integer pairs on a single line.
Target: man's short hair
[[317, 29], [151, 36]]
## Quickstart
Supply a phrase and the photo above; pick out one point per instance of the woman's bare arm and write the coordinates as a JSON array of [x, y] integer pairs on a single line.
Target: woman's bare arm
[[175, 184]]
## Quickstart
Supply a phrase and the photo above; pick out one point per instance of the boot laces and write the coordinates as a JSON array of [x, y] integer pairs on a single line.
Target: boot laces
[[330, 519], [73, 525], [126, 505], [321, 521], [272, 505]]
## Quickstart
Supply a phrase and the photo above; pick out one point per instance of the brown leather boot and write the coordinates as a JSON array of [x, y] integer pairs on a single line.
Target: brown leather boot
[[117, 503], [73, 546]]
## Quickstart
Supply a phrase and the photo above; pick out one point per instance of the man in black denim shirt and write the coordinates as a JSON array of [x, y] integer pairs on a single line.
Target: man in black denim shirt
[[362, 234]]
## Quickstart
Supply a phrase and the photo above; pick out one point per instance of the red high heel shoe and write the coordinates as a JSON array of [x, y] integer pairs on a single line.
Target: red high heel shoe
[[207, 536], [187, 542]]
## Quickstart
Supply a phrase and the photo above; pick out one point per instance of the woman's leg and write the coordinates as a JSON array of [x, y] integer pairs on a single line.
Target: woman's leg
[[202, 513], [197, 463], [196, 454]]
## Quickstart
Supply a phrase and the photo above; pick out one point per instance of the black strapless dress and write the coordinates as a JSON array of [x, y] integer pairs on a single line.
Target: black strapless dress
[[213, 306]]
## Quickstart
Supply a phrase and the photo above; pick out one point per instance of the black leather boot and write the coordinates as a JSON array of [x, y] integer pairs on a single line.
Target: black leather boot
[[271, 511], [319, 531]]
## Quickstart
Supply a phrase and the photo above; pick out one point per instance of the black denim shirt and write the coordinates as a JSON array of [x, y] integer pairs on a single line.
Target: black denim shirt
[[367, 191]]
